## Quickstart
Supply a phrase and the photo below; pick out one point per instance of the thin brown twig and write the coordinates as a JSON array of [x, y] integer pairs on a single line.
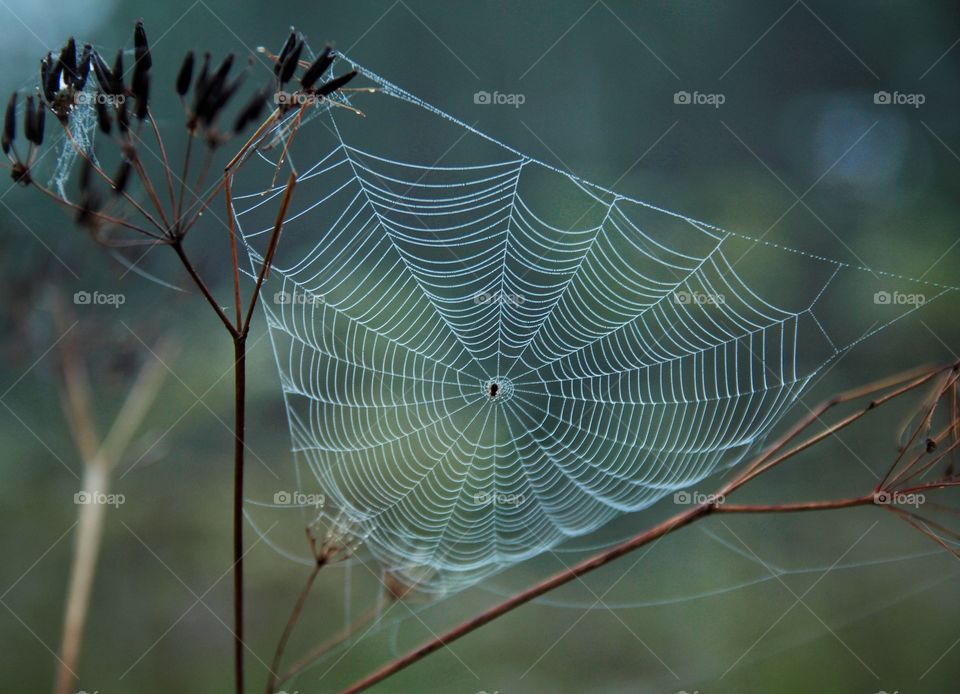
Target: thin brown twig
[[99, 215], [273, 680], [271, 249], [909, 381], [201, 285], [166, 164], [232, 227], [922, 425]]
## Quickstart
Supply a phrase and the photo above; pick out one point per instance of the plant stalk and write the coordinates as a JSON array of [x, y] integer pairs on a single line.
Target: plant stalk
[[240, 386], [89, 533]]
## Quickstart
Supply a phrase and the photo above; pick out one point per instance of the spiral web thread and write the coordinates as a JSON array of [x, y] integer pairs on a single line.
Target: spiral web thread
[[471, 384]]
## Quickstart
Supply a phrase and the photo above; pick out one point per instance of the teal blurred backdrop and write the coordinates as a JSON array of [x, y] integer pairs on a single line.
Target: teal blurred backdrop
[[801, 151]]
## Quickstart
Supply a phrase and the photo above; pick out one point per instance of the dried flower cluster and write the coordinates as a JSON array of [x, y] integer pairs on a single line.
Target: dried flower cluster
[[80, 77]]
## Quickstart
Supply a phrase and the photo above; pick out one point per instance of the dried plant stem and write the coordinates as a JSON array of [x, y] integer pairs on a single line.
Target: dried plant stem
[[239, 333], [240, 385], [656, 532], [273, 680], [211, 93], [82, 571], [99, 460]]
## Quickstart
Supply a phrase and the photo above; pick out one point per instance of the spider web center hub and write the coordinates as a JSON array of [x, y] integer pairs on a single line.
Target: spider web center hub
[[498, 389]]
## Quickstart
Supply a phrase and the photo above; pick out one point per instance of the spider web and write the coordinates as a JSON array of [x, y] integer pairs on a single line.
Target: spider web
[[483, 359]]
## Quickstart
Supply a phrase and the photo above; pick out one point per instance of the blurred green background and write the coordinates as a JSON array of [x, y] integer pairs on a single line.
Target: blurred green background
[[699, 612]]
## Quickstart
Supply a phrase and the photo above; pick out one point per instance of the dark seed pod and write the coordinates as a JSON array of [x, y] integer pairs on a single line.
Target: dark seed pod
[[336, 83], [117, 82], [142, 93], [102, 73], [140, 77], [68, 61], [103, 113], [284, 52], [123, 117], [9, 124], [316, 70], [251, 111], [83, 68], [141, 48], [122, 178], [45, 66], [228, 91], [203, 79], [185, 74], [290, 64], [30, 120], [223, 70], [39, 121], [52, 85], [214, 94]]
